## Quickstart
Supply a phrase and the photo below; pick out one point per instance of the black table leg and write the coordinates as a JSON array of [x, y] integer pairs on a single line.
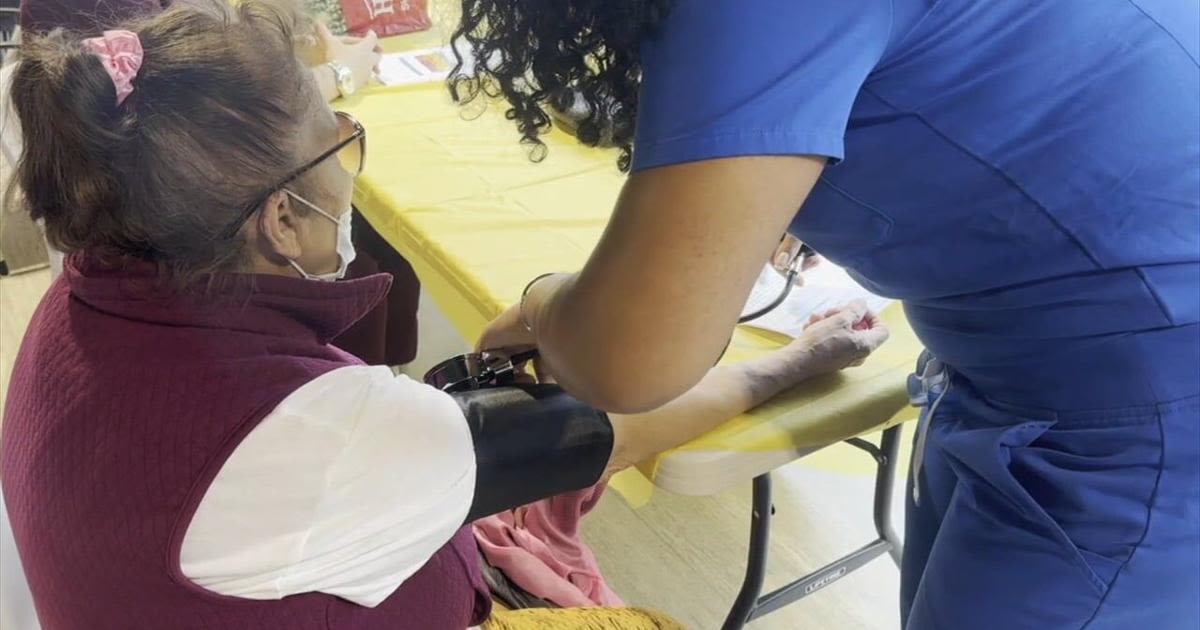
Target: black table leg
[[885, 482], [756, 562], [751, 604]]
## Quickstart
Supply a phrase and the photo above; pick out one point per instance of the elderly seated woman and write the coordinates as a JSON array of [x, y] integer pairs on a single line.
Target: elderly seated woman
[[182, 447], [387, 335]]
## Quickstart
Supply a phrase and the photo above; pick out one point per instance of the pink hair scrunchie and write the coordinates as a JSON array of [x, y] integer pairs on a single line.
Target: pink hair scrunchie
[[121, 54]]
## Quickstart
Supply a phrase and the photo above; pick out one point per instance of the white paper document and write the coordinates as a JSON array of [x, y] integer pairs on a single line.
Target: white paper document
[[825, 287], [429, 65]]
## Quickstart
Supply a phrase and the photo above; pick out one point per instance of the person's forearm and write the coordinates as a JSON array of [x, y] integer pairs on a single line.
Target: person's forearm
[[622, 355], [576, 334], [542, 313], [651, 310], [724, 393]]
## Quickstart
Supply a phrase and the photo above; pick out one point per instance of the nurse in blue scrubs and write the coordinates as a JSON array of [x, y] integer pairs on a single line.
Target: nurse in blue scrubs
[[1024, 175]]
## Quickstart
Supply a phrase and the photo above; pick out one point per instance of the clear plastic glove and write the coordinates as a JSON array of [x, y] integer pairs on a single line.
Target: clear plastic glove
[[840, 338], [360, 55]]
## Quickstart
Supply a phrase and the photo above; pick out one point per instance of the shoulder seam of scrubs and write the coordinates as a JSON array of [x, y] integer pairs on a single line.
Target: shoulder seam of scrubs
[[894, 46], [1162, 454], [1164, 30], [1007, 177]]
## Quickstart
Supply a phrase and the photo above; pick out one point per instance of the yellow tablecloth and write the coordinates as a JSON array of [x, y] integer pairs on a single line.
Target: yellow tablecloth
[[455, 193]]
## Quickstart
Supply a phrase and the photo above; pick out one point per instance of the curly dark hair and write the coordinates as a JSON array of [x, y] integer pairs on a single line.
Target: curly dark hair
[[581, 55]]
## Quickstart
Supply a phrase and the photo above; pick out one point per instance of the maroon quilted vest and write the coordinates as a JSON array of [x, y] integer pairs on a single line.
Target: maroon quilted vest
[[123, 406]]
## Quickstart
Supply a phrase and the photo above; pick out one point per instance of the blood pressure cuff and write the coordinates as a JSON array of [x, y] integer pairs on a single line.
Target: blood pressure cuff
[[532, 442]]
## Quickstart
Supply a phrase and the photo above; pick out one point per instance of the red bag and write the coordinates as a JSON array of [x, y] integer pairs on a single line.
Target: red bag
[[386, 17]]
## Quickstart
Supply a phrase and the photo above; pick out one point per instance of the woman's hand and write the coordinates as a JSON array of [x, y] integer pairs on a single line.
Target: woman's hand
[[507, 332], [509, 335], [838, 339], [360, 55], [510, 332]]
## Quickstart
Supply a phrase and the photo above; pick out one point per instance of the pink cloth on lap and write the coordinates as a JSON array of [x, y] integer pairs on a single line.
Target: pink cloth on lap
[[538, 547]]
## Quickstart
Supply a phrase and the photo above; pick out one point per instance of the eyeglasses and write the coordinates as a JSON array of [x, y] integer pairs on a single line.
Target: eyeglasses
[[351, 152]]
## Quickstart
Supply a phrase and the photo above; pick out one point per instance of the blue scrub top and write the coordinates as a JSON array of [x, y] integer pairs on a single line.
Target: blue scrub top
[[1024, 175]]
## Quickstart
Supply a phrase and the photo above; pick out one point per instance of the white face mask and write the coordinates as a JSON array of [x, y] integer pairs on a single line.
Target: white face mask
[[345, 244]]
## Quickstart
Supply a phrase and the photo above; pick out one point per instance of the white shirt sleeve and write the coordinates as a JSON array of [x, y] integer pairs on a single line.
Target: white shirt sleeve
[[348, 487]]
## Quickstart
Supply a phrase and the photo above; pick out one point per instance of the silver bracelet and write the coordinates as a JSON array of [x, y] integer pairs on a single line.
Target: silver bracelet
[[524, 295]]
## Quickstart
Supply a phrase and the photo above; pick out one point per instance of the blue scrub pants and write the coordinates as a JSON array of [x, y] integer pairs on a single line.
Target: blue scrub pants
[[1047, 521]]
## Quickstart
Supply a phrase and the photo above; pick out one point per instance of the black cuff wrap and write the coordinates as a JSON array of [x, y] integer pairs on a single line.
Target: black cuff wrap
[[532, 442]]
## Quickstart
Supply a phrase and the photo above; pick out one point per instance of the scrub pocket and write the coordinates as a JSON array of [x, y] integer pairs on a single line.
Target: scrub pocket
[[1041, 514], [1086, 488]]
